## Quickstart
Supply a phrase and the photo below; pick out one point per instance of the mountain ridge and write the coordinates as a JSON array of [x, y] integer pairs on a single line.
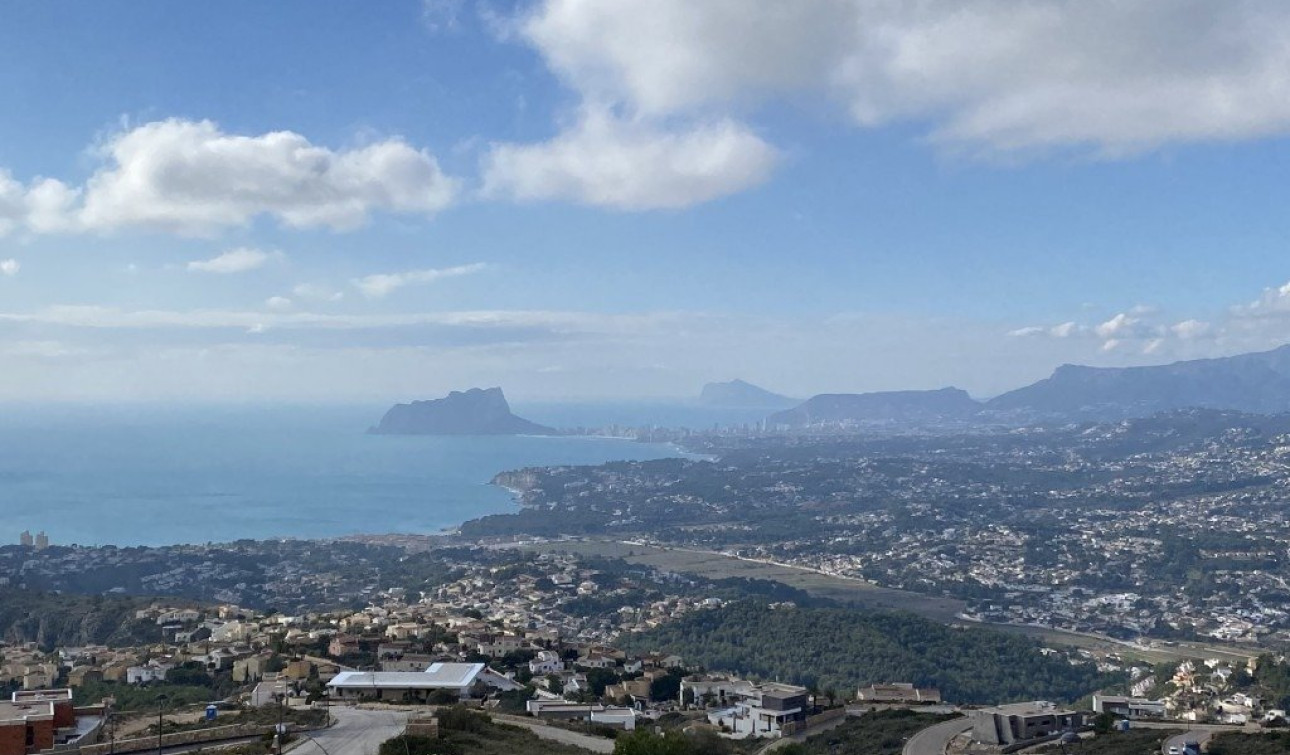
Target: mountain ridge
[[1253, 382], [881, 407], [742, 394]]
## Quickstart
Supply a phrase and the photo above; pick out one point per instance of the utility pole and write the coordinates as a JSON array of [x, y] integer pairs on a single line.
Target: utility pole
[[111, 727], [161, 706], [280, 697]]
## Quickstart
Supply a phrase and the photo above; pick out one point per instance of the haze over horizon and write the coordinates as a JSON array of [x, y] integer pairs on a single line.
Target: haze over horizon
[[629, 199]]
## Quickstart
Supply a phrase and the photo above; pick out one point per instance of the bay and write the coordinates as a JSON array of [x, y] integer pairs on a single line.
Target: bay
[[153, 475]]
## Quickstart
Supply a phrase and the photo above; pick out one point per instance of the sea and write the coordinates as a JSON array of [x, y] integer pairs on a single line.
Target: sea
[[133, 475]]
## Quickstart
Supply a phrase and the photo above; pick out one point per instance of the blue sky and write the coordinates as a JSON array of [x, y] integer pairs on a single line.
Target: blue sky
[[624, 199]]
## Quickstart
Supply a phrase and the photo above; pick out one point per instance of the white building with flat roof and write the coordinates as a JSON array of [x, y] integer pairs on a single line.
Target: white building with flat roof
[[461, 679]]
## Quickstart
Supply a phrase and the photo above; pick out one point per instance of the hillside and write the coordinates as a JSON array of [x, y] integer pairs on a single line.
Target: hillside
[[1257, 383], [921, 407], [845, 649], [52, 619]]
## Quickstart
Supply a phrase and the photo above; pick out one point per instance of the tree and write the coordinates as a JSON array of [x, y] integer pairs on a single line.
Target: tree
[[1104, 722], [666, 687]]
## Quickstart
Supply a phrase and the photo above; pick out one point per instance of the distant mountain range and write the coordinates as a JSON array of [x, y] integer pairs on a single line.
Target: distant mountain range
[[921, 407], [1257, 383], [477, 411], [740, 394]]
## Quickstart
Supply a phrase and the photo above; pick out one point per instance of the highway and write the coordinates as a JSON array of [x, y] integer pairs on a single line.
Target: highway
[[934, 739]]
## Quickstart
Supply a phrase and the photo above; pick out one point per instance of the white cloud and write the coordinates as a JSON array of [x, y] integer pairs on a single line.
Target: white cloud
[[1119, 325], [10, 267], [1065, 330], [377, 286], [1189, 329], [278, 302], [190, 177], [238, 260], [316, 292], [991, 75], [631, 165]]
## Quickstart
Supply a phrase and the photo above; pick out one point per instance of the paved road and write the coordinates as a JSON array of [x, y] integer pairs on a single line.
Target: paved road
[[356, 732], [934, 739], [1199, 736], [556, 734]]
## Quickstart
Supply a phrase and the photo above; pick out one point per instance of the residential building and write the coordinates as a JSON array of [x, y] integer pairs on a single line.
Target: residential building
[[1022, 722], [899, 692], [1129, 707], [465, 680]]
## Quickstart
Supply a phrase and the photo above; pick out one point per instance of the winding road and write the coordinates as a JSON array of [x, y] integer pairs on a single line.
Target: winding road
[[934, 739]]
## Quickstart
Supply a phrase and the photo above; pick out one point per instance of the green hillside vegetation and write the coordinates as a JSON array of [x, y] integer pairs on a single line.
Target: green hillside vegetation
[[1132, 742], [844, 649], [1232, 743], [880, 733], [466, 732], [61, 620]]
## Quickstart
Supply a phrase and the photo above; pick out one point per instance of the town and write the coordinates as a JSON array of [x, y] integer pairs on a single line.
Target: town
[[555, 643]]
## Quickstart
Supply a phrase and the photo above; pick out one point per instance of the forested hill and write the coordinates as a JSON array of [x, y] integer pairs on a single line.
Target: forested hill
[[844, 649], [52, 619]]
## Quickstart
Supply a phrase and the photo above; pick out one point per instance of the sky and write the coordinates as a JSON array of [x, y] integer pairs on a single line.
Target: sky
[[625, 199]]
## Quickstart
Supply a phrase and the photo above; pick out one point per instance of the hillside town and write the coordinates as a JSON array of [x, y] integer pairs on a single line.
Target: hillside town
[[1168, 528]]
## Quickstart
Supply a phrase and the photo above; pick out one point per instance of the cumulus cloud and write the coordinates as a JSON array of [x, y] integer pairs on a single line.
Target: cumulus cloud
[[278, 302], [238, 260], [631, 165], [193, 178], [989, 75], [1262, 323], [10, 267], [382, 284]]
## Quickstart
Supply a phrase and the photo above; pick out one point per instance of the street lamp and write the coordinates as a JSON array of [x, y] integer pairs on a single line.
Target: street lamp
[[161, 706]]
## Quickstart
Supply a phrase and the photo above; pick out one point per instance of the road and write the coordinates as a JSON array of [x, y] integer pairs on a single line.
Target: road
[[1200, 737], [556, 734], [934, 739], [356, 732]]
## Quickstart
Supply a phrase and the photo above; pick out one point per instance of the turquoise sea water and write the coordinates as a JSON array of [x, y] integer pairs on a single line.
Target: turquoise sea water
[[134, 475]]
